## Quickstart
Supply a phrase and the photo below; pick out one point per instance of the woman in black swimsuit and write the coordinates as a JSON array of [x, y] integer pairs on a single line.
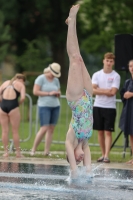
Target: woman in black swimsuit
[[10, 91]]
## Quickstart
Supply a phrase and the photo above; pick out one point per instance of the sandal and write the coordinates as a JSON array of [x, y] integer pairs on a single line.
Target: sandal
[[106, 160], [47, 154], [101, 159]]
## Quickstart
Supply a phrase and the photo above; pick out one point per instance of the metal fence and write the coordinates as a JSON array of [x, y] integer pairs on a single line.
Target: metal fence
[[30, 123], [93, 141]]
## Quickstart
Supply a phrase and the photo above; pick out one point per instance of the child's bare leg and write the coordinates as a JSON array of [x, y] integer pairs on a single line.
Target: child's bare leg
[[86, 77], [87, 80], [83, 80], [75, 83], [75, 32]]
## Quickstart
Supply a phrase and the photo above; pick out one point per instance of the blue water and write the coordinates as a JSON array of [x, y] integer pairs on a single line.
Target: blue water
[[40, 182]]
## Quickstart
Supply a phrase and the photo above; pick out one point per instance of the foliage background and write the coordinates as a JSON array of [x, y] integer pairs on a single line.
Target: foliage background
[[33, 33]]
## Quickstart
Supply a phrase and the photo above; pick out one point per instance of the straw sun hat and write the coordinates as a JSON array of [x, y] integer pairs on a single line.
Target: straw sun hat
[[54, 68]]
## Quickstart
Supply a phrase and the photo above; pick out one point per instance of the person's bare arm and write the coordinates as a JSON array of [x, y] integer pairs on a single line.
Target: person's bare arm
[[113, 91], [37, 91], [58, 93], [101, 91], [1, 89], [22, 94], [128, 95]]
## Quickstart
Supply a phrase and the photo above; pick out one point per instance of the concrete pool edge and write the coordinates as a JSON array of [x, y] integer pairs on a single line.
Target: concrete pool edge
[[62, 162]]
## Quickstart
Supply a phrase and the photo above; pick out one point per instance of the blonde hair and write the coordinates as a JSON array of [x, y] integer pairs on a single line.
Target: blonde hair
[[46, 70], [109, 55], [18, 76]]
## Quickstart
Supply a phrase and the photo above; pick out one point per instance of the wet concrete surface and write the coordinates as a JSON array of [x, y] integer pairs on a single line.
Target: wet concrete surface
[[61, 162]]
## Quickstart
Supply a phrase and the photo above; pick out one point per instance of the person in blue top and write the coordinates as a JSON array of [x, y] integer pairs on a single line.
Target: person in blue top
[[47, 88]]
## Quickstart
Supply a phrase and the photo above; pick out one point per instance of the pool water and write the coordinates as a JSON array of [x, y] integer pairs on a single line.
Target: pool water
[[20, 181]]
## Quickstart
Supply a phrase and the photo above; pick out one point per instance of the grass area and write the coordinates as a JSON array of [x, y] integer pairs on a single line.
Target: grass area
[[27, 135]]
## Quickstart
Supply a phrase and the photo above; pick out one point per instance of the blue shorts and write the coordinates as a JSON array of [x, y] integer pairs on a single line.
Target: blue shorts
[[48, 115]]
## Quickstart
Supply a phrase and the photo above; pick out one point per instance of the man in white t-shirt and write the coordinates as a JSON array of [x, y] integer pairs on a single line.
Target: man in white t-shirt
[[105, 83]]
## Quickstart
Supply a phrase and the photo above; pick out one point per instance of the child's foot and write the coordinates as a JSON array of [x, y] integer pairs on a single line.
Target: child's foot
[[73, 11]]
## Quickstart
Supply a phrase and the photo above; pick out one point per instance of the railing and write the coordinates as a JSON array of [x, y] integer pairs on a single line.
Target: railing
[[93, 141], [28, 117]]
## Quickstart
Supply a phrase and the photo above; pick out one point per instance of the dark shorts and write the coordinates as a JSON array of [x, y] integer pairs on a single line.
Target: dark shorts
[[48, 115], [104, 118]]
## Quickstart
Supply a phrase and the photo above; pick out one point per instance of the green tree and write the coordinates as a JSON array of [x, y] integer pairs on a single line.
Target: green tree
[[33, 19], [32, 58], [5, 38], [101, 20]]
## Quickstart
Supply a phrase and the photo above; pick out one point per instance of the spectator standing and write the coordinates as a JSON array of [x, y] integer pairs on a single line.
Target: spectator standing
[[47, 88], [105, 83], [10, 91], [126, 119]]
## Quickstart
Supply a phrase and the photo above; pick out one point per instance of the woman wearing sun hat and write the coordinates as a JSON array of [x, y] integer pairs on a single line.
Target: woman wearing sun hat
[[47, 88]]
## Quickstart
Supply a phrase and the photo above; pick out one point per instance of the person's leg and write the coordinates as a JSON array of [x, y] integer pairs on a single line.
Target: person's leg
[[98, 124], [87, 79], [109, 122], [5, 130], [44, 117], [39, 136], [53, 119], [131, 144], [75, 84], [108, 141], [101, 140], [14, 117], [48, 139], [87, 84]]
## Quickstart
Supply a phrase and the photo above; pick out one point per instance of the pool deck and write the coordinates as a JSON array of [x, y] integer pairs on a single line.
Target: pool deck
[[62, 162]]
